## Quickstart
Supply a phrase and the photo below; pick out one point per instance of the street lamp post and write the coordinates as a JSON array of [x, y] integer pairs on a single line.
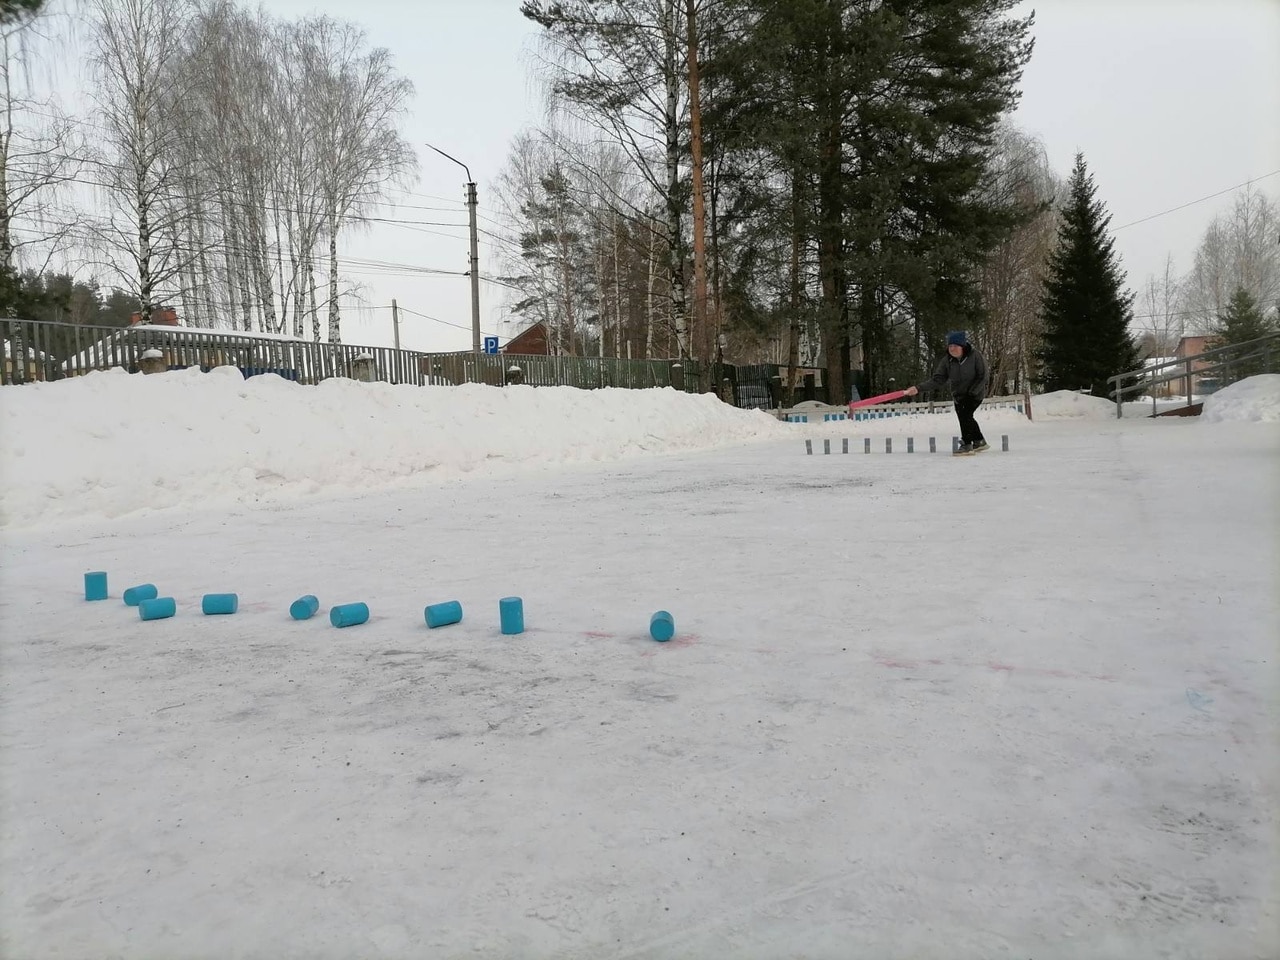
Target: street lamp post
[[475, 251]]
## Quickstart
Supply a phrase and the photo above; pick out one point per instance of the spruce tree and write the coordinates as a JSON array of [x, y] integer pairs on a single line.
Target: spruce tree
[[1241, 322], [1085, 309]]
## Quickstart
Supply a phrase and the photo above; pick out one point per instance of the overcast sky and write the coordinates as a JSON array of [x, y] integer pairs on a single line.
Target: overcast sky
[[1169, 100]]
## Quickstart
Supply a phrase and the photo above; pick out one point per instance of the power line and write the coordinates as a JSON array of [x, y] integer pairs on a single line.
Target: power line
[[425, 316], [1192, 203], [1191, 313]]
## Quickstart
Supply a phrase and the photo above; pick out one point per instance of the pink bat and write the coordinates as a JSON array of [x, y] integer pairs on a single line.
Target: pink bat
[[883, 398]]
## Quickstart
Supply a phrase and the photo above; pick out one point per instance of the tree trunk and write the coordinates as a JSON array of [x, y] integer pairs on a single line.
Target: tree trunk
[[335, 332], [284, 290], [6, 238], [313, 307], [601, 264], [675, 238], [145, 283], [699, 203], [617, 293], [871, 320], [793, 328], [830, 264]]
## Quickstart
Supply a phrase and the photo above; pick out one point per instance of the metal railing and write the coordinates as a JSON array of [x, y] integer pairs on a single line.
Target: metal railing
[[37, 351], [1232, 362]]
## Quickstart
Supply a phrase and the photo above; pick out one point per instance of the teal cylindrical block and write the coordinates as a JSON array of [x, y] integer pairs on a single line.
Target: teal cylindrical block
[[216, 603], [304, 608], [135, 595], [662, 626], [511, 613], [95, 585], [157, 608], [349, 614], [443, 614]]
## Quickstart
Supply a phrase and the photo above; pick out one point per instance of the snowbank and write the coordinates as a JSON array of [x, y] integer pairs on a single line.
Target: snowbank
[[1069, 404], [1253, 400], [112, 443]]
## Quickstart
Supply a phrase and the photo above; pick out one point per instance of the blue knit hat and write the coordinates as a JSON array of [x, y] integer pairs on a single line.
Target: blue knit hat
[[956, 338]]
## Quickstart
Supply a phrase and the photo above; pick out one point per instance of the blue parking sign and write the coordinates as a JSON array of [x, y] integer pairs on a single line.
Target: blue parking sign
[[490, 344]]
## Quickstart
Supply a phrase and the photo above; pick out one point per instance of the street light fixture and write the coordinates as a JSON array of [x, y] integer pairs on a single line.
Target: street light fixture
[[475, 251]]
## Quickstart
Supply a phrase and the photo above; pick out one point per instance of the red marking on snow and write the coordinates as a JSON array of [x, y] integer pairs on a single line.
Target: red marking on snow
[[685, 640], [903, 664], [597, 634]]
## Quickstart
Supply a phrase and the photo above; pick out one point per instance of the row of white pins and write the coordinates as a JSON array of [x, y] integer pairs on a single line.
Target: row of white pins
[[888, 444]]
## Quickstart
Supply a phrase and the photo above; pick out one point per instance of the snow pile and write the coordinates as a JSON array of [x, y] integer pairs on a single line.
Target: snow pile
[[1253, 400], [1063, 404], [113, 443]]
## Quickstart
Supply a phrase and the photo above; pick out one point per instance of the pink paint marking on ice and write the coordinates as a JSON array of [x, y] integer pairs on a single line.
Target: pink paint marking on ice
[[685, 640], [903, 664], [597, 634]]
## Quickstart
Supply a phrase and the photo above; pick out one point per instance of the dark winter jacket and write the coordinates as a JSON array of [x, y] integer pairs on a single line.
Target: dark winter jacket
[[967, 376]]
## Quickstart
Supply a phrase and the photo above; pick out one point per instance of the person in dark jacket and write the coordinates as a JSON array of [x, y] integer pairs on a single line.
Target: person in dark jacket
[[965, 371]]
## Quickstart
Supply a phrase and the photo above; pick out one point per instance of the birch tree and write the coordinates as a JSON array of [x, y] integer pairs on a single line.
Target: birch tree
[[137, 53], [358, 99], [1240, 249], [618, 67], [39, 156], [1011, 277], [1160, 322]]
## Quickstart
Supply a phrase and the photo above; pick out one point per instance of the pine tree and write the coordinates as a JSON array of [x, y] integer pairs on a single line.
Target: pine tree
[[1085, 309], [1241, 322], [878, 120]]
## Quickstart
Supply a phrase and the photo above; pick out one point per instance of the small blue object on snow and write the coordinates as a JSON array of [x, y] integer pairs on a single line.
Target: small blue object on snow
[[135, 595], [1198, 701], [157, 608], [219, 603], [304, 608], [511, 614], [95, 585], [349, 614], [662, 626], [442, 614]]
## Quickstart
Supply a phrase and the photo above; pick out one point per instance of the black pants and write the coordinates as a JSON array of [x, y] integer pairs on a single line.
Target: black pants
[[970, 432]]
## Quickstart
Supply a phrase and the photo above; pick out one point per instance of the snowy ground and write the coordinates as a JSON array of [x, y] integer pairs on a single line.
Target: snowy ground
[[1017, 705]]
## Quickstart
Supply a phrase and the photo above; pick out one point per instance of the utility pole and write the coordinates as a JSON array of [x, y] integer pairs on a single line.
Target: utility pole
[[475, 266], [395, 321], [475, 251]]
